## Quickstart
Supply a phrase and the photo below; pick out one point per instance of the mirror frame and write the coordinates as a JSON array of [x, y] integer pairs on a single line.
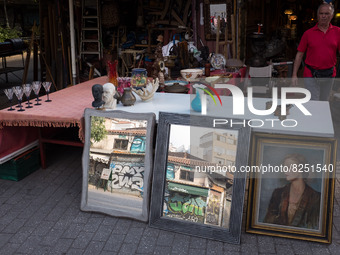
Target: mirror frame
[[207, 29], [157, 220], [148, 163]]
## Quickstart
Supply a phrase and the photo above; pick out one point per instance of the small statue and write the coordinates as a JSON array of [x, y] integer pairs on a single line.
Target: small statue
[[158, 68], [97, 92], [109, 92]]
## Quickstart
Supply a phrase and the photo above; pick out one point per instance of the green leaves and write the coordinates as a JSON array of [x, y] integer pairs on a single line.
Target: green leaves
[[98, 130], [9, 33]]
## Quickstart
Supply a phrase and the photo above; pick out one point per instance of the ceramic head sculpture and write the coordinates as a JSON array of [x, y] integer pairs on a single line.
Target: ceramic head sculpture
[[97, 92], [109, 91]]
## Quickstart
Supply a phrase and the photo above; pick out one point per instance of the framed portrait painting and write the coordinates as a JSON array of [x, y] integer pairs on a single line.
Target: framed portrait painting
[[117, 163], [197, 188], [291, 188]]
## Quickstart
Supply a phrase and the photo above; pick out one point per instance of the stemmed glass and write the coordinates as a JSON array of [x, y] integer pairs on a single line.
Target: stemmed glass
[[27, 90], [36, 85], [19, 92], [9, 93], [47, 86]]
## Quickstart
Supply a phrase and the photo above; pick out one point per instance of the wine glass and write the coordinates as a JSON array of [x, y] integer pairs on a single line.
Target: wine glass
[[9, 93], [36, 85], [47, 86], [27, 91], [19, 92]]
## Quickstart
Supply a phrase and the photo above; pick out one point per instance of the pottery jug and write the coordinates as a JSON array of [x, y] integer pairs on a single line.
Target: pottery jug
[[128, 98], [196, 102]]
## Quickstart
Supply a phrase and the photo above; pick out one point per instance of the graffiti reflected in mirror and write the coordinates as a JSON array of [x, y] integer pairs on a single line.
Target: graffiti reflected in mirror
[[199, 176], [116, 163]]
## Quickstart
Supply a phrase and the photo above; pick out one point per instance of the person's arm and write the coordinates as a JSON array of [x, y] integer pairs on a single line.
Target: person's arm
[[296, 66], [297, 63]]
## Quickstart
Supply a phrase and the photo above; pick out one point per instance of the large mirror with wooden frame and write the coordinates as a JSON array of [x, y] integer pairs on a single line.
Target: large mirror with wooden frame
[[197, 188], [117, 163]]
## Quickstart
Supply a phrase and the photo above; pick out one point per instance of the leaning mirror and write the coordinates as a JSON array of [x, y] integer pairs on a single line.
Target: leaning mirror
[[197, 186], [212, 10], [117, 163]]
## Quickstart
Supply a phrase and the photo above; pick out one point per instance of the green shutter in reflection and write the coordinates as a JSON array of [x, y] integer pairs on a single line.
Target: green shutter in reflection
[[188, 189]]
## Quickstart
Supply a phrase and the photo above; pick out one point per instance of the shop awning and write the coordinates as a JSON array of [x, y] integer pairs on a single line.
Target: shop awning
[[188, 189]]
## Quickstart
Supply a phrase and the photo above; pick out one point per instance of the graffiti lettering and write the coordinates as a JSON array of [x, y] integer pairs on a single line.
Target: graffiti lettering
[[127, 176], [191, 205]]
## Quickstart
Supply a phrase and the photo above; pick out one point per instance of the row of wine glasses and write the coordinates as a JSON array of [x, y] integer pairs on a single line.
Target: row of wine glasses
[[26, 90]]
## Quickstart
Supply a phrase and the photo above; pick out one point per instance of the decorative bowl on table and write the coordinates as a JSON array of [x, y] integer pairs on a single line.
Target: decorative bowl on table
[[191, 74], [176, 86], [218, 61], [172, 82], [146, 93]]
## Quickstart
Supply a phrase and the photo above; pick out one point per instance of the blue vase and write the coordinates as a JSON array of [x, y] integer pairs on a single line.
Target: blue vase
[[196, 102]]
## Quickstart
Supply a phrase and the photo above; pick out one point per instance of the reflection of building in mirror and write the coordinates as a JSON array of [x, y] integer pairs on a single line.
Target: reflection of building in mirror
[[117, 160], [219, 148], [191, 195]]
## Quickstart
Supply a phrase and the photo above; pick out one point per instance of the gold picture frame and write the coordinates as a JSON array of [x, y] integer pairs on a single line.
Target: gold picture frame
[[291, 186]]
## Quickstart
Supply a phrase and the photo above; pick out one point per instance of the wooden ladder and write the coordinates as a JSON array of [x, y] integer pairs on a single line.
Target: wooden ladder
[[91, 42]]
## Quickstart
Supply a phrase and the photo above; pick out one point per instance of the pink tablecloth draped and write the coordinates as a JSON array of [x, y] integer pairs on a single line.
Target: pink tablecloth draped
[[15, 138], [65, 110]]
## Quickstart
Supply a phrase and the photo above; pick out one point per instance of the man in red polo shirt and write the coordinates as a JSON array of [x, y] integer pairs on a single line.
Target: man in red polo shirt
[[320, 43]]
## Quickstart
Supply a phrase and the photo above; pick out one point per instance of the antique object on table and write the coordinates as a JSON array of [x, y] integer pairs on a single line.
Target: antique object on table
[[172, 82], [112, 72], [97, 93], [196, 104], [191, 74], [176, 88], [217, 61], [233, 65], [207, 69], [36, 85], [19, 92], [9, 93], [139, 71], [158, 67], [27, 91], [138, 80], [123, 82], [109, 91], [258, 46], [128, 98], [148, 92], [47, 86]]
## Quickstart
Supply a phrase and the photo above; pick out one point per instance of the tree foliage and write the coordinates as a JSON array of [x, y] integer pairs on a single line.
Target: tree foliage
[[98, 130], [9, 33]]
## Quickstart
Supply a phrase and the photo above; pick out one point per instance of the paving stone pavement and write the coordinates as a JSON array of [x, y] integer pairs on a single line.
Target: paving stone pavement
[[41, 215]]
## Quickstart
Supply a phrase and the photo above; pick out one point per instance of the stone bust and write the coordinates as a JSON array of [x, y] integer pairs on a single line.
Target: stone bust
[[109, 91], [97, 92]]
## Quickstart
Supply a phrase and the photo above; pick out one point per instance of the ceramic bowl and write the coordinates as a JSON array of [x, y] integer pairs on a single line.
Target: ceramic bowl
[[172, 82], [191, 74]]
